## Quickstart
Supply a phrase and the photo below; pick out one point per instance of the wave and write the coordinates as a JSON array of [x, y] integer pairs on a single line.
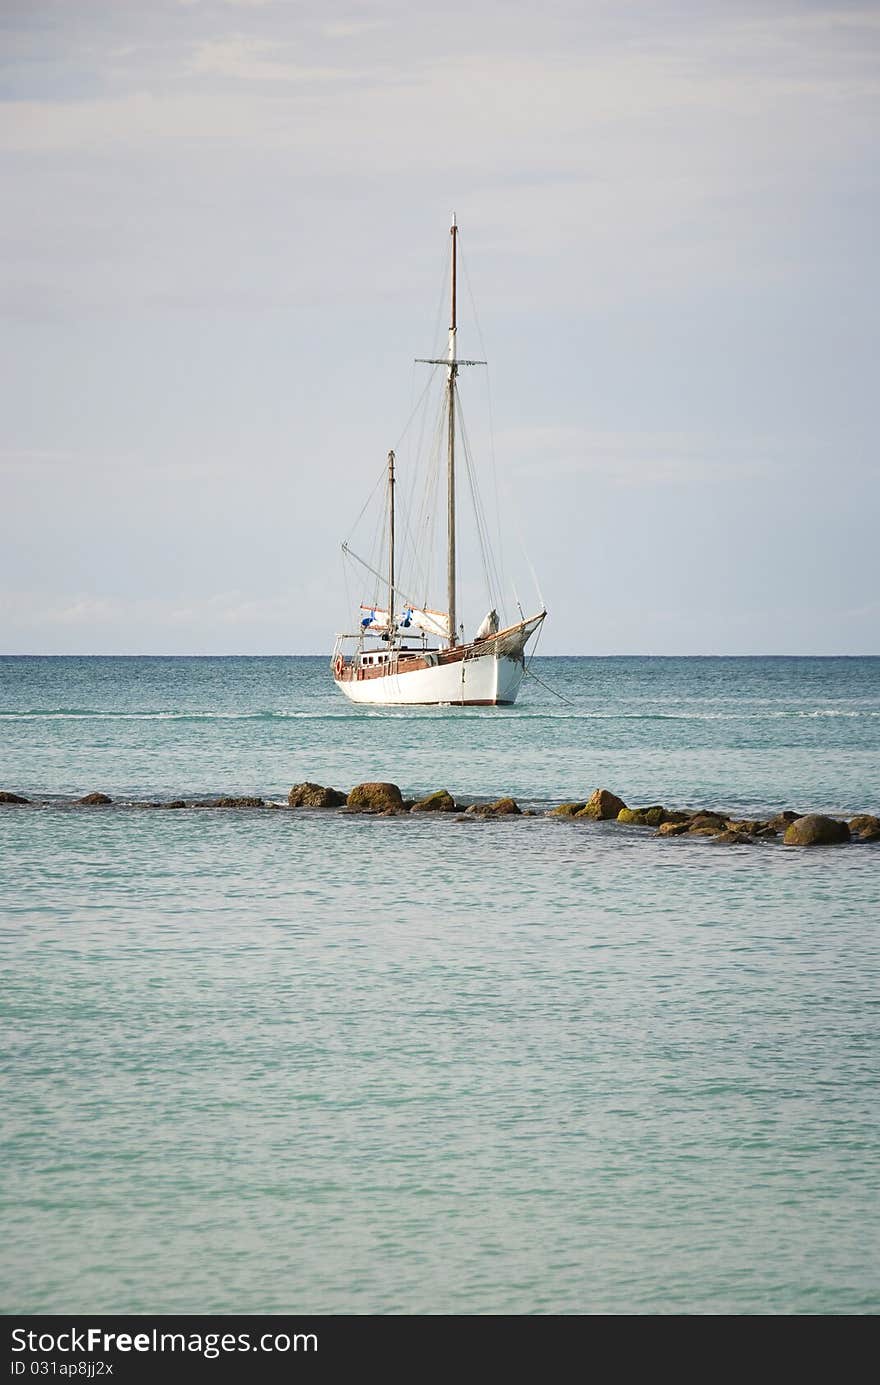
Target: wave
[[394, 713]]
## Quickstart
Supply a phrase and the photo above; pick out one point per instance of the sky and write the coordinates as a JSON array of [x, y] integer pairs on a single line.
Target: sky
[[223, 237]]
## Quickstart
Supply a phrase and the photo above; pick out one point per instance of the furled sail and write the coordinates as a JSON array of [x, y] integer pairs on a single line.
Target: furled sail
[[432, 622]]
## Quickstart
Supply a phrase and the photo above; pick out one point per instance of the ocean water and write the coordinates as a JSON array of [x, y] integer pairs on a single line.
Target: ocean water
[[267, 1062]]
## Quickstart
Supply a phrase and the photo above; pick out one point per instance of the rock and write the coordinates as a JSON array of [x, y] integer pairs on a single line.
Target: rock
[[871, 835], [439, 802], [237, 803], [782, 821], [768, 831], [862, 823], [676, 815], [314, 796], [175, 803], [672, 829], [734, 838], [94, 799], [602, 805], [501, 808], [8, 797], [715, 821], [642, 817], [706, 830], [751, 826], [816, 830], [566, 810], [375, 798]]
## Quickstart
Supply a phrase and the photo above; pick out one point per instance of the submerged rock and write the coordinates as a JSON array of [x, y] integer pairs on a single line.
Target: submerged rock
[[716, 822], [733, 838], [95, 799], [375, 798], [566, 810], [865, 826], [439, 802], [314, 796], [175, 803], [236, 803], [6, 796], [783, 821], [816, 830], [501, 808], [603, 805]]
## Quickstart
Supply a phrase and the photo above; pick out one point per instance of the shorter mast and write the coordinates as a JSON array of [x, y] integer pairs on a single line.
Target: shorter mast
[[450, 496], [391, 543]]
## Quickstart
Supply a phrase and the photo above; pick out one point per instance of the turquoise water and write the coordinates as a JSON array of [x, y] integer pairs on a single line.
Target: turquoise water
[[303, 1062]]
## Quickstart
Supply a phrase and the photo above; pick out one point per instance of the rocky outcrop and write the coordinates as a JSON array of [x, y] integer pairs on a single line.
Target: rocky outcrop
[[174, 803], [6, 796], [375, 798], [816, 830], [603, 805], [94, 800], [672, 829], [237, 803], [566, 810], [733, 838], [501, 808], [314, 796], [439, 802]]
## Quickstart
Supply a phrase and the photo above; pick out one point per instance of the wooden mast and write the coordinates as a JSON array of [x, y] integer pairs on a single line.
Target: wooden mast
[[450, 498], [391, 544]]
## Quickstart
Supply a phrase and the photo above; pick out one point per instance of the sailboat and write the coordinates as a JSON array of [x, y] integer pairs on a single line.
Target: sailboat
[[405, 653]]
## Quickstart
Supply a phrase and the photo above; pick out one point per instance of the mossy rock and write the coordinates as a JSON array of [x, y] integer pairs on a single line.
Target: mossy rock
[[642, 817], [705, 830], [439, 802], [314, 796], [6, 796], [95, 800], [567, 810], [815, 829], [375, 798], [672, 829], [237, 803], [733, 838], [603, 805], [751, 826]]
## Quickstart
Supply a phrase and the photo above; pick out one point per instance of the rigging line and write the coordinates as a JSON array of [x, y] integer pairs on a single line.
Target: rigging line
[[416, 406], [500, 573], [369, 500], [490, 570], [350, 553], [530, 674]]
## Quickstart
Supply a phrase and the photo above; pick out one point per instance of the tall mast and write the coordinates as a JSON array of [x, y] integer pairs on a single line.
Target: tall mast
[[391, 544], [450, 502]]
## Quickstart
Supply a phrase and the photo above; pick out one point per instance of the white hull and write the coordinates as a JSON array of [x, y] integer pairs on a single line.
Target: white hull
[[489, 675]]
